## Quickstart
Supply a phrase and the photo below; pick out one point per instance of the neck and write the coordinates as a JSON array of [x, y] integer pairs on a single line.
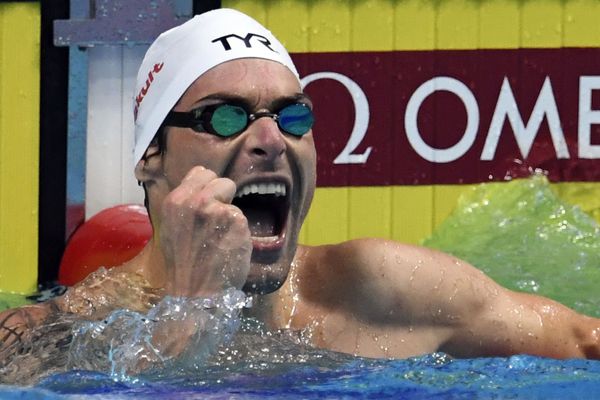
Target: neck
[[277, 309], [149, 263]]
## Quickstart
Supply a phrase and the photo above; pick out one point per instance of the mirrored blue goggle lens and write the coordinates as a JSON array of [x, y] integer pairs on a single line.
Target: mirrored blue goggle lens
[[227, 120], [296, 119]]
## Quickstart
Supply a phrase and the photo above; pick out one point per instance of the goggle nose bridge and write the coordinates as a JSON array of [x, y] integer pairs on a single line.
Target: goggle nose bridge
[[253, 117]]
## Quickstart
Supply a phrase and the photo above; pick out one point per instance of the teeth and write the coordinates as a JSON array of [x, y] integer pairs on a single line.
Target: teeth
[[278, 189], [265, 239]]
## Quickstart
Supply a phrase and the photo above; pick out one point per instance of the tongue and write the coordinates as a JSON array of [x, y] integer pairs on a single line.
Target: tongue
[[261, 222]]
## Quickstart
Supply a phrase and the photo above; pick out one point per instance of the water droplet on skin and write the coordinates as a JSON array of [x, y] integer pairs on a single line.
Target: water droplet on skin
[[413, 273]]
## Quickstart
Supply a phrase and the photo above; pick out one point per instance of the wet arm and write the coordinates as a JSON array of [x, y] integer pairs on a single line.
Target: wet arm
[[93, 299], [461, 309], [16, 323], [519, 323]]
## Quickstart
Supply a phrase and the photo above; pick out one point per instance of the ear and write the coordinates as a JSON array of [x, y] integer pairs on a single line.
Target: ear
[[150, 166]]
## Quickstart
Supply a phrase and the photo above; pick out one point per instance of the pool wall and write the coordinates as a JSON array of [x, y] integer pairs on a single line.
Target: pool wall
[[383, 74]]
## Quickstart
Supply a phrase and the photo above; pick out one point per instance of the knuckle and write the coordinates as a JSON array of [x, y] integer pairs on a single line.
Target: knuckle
[[238, 216], [172, 201], [199, 172], [240, 222], [205, 173], [222, 212], [227, 182], [200, 201]]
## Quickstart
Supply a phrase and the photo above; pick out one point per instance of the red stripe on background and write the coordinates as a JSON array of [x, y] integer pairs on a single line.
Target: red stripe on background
[[389, 79]]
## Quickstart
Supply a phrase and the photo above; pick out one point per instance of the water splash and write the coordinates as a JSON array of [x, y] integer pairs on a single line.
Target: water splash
[[177, 333], [525, 238]]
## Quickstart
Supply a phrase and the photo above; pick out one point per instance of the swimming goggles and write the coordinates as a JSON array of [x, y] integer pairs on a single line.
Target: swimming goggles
[[227, 119]]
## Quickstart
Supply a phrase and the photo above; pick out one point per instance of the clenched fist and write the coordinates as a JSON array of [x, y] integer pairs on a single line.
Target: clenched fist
[[205, 239]]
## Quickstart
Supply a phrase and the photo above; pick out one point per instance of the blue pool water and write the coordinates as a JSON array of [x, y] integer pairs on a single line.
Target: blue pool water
[[429, 377]]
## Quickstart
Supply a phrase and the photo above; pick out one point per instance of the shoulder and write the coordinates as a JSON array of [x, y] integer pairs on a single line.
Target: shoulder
[[382, 275], [362, 270], [372, 255]]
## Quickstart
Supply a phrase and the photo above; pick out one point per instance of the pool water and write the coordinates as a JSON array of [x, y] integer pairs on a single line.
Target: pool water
[[430, 377], [519, 233]]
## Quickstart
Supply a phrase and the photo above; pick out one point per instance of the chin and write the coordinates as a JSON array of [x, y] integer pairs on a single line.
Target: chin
[[266, 278]]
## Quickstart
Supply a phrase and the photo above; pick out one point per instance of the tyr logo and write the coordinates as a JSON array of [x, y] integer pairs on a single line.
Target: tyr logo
[[260, 38]]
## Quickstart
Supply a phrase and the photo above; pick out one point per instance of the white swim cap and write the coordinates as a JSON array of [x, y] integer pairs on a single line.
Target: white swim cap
[[180, 55]]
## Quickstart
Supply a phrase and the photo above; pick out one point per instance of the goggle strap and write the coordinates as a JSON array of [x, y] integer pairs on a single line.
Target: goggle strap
[[181, 119]]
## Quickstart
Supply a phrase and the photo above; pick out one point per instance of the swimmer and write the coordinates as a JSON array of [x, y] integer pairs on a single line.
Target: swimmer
[[224, 150]]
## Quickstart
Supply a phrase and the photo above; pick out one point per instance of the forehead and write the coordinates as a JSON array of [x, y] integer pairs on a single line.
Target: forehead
[[256, 79]]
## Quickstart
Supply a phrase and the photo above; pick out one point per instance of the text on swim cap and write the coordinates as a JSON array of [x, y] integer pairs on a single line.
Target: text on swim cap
[[138, 99], [260, 38]]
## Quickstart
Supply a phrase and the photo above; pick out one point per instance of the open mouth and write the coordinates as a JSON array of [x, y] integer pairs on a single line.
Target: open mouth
[[265, 206]]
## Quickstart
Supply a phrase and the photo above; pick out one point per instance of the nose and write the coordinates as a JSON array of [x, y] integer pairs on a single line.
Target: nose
[[265, 141]]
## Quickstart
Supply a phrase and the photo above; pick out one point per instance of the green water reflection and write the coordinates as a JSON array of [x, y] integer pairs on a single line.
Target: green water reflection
[[526, 238], [10, 300]]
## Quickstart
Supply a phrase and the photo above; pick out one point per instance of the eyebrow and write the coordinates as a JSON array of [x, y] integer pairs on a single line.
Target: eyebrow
[[217, 98]]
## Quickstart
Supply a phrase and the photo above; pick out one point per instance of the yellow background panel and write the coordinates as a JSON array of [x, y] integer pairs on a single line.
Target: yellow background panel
[[412, 208], [372, 25], [293, 35], [19, 142], [370, 210], [340, 25], [581, 27], [327, 221], [499, 24], [585, 194], [257, 9], [414, 27], [457, 24], [444, 201], [330, 26], [541, 23]]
